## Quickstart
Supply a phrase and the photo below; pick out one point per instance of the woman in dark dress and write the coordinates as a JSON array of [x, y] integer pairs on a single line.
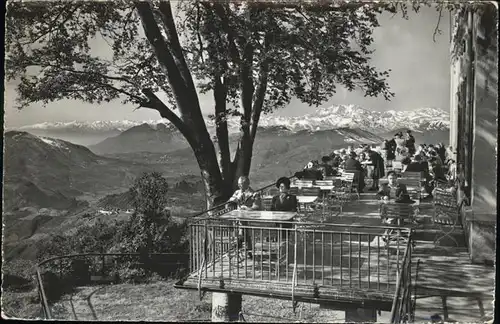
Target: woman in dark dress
[[284, 202]]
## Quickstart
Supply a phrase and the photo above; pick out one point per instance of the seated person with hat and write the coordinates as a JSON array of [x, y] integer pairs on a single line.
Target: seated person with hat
[[284, 201]]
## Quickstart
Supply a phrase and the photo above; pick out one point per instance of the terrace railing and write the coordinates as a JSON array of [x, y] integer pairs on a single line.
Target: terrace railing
[[99, 266], [402, 307], [338, 258]]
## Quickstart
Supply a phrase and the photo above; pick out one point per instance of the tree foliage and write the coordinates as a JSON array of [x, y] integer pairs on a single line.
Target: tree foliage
[[254, 58]]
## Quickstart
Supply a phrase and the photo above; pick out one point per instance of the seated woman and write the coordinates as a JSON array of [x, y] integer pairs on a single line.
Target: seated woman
[[284, 201]]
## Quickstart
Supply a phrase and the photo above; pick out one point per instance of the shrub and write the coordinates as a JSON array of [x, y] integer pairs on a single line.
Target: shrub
[[18, 275]]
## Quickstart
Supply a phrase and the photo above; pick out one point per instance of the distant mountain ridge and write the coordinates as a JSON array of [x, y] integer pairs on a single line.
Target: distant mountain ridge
[[337, 116]]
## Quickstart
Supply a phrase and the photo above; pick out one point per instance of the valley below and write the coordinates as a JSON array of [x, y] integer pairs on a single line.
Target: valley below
[[51, 185]]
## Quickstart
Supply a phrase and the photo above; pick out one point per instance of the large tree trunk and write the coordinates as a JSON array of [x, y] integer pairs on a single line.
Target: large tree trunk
[[190, 123]]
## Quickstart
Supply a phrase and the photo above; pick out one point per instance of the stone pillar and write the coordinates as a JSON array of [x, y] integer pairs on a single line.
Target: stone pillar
[[360, 315], [226, 307]]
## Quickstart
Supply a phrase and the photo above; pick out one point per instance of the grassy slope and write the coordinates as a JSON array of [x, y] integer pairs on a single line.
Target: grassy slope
[[160, 301]]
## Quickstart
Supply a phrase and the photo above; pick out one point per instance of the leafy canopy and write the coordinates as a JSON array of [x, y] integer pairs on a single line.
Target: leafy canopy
[[301, 50]]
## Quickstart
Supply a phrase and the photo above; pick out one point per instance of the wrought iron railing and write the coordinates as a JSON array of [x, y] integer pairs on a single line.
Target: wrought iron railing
[[61, 263]]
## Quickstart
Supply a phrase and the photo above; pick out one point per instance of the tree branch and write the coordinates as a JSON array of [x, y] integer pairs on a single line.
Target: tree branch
[[231, 37], [168, 64], [437, 30], [165, 112], [52, 25], [260, 92]]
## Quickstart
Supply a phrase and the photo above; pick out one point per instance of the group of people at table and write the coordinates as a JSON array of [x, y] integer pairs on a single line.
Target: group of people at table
[[434, 162]]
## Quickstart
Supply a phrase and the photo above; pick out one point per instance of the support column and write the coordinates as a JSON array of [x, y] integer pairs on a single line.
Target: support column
[[360, 315], [226, 307]]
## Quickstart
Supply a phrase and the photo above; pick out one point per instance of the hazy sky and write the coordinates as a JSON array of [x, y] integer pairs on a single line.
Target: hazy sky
[[419, 77]]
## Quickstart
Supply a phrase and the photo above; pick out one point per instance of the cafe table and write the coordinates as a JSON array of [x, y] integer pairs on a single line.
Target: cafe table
[[261, 218]]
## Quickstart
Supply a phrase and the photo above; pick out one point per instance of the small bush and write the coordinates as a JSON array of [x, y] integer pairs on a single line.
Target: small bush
[[18, 275]]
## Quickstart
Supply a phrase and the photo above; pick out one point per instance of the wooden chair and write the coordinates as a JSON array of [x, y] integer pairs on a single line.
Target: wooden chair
[[266, 203], [308, 207], [446, 214], [309, 191], [351, 181], [402, 213], [414, 186], [323, 182], [340, 194], [412, 175], [272, 191], [303, 183], [397, 166]]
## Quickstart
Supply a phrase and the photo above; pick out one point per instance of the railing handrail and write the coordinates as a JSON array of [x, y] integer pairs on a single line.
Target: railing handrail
[[225, 203], [306, 224], [69, 256], [401, 278], [43, 296]]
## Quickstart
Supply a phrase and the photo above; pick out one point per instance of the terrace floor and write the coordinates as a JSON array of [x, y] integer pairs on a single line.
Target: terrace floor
[[445, 282]]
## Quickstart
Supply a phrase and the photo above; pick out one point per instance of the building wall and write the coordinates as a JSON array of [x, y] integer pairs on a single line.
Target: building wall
[[474, 116], [484, 196]]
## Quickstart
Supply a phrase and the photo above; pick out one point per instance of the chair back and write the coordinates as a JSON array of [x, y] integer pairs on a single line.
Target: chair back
[[323, 182], [414, 187], [411, 182], [351, 178], [266, 203], [397, 210], [446, 207], [273, 191], [303, 183], [293, 191], [396, 165], [310, 191], [412, 175], [348, 176]]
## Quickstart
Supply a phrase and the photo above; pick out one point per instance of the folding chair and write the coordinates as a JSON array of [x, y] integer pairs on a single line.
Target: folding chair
[[397, 166], [351, 181], [412, 175], [339, 196], [266, 203], [309, 191], [414, 186], [446, 214], [323, 182], [303, 183], [401, 212]]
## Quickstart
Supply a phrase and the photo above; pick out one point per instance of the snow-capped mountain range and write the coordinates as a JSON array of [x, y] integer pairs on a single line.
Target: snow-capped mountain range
[[338, 116]]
